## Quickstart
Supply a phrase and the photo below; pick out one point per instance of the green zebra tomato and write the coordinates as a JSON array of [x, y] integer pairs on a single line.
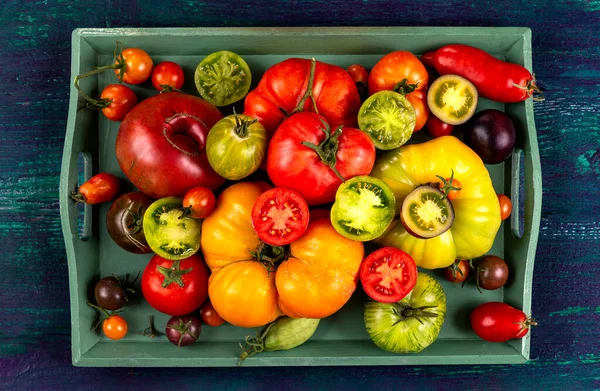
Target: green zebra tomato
[[413, 323], [236, 146], [223, 78]]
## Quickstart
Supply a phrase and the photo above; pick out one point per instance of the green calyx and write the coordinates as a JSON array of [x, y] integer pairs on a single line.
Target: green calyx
[[173, 274], [269, 256], [404, 87], [327, 149]]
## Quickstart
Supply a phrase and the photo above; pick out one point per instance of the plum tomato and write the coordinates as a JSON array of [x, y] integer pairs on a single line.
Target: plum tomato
[[364, 207], [388, 275], [500, 322], [280, 216], [102, 187]]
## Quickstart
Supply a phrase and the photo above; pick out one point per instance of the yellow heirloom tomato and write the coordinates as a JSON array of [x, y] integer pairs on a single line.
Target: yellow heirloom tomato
[[476, 208]]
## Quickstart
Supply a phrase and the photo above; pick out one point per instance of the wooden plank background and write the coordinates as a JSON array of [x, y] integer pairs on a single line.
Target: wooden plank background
[[34, 87]]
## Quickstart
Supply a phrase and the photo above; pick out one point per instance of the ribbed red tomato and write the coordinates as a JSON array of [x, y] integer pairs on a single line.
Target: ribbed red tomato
[[295, 85], [160, 145]]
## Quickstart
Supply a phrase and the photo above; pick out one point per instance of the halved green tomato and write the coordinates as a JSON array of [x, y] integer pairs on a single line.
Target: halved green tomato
[[453, 99], [223, 78], [388, 118], [363, 209], [170, 233], [426, 212]]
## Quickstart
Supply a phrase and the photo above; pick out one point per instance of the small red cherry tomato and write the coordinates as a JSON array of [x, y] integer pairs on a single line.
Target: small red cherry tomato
[[167, 76], [210, 316], [200, 200], [437, 128], [137, 66], [505, 206], [122, 100]]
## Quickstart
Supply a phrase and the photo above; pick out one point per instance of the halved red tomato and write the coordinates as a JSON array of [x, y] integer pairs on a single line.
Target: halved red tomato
[[388, 275], [280, 216]]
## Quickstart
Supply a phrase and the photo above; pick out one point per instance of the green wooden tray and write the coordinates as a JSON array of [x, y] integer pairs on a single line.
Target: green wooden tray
[[340, 339]]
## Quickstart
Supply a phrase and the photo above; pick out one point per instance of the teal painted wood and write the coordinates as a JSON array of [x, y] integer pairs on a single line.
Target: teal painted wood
[[34, 322]]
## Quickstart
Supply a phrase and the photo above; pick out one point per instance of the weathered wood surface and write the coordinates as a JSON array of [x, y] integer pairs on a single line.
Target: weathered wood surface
[[34, 298]]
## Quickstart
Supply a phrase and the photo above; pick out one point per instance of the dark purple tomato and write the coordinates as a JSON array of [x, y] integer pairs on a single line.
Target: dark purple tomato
[[491, 134], [124, 222], [491, 272], [109, 293], [183, 330]]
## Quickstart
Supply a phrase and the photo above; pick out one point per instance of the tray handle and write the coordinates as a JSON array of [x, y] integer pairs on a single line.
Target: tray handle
[[531, 180], [85, 233]]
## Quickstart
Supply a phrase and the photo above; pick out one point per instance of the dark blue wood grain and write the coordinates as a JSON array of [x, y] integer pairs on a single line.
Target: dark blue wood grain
[[34, 74]]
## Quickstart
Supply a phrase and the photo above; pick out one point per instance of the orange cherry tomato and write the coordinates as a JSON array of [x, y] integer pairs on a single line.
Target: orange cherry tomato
[[102, 187], [505, 206], [114, 327], [138, 66]]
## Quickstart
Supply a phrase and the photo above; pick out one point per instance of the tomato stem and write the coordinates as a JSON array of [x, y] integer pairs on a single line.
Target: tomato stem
[[107, 314], [309, 90], [269, 256], [532, 88], [99, 104], [173, 274], [150, 331], [446, 185], [164, 88], [242, 125], [254, 345], [404, 87], [327, 149]]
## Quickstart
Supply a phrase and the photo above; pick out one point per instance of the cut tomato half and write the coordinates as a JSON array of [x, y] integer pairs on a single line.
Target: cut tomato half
[[426, 212], [280, 216], [388, 275]]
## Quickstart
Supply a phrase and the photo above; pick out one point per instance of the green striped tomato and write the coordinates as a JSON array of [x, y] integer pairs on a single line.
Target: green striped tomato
[[236, 146], [413, 323]]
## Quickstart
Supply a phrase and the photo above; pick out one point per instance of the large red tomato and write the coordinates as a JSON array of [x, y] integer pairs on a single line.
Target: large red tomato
[[308, 156], [296, 85], [160, 145]]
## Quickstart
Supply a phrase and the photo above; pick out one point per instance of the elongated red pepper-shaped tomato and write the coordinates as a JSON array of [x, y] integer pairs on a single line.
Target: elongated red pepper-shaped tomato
[[494, 79]]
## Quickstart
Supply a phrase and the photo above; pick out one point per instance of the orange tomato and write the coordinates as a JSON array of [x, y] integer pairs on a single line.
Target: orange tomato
[[114, 327], [317, 280], [321, 274], [393, 68]]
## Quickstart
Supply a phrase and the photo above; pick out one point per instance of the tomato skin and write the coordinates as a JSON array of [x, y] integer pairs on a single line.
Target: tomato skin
[[102, 187], [160, 145], [438, 128], [499, 322], [393, 68], [419, 101], [360, 75], [381, 279], [167, 76], [294, 166], [461, 272], [201, 201], [283, 85], [114, 327], [124, 221], [122, 98], [494, 79], [321, 274], [210, 316], [174, 299], [505, 206], [138, 66]]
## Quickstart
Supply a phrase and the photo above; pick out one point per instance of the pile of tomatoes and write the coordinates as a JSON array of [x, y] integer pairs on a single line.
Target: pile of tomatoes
[[262, 214]]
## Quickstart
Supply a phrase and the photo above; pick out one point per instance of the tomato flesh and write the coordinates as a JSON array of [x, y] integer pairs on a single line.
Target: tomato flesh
[[453, 99], [426, 212], [223, 78], [388, 275], [364, 207], [280, 216]]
